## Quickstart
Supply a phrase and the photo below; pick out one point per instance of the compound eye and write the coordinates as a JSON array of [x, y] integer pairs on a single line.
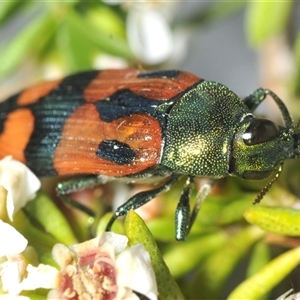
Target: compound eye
[[260, 131]]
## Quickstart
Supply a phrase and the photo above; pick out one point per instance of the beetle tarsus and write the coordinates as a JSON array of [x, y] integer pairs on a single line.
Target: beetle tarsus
[[182, 214]]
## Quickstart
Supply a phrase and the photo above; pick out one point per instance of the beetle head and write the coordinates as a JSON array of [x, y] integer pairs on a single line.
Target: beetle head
[[260, 147]]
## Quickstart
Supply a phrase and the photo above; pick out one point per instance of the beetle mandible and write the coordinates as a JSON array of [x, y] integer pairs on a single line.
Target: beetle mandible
[[133, 125]]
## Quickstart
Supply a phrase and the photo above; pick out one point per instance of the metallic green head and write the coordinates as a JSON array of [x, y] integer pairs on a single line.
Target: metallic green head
[[259, 148]]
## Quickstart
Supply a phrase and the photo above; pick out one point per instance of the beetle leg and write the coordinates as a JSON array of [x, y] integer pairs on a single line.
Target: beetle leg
[[258, 96], [77, 184], [140, 199], [200, 197], [184, 220], [182, 214], [254, 99]]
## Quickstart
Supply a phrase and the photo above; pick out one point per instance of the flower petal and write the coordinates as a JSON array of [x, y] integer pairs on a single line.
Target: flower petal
[[12, 242], [10, 277], [135, 271], [42, 276], [149, 35], [19, 182], [118, 241], [9, 297], [62, 255]]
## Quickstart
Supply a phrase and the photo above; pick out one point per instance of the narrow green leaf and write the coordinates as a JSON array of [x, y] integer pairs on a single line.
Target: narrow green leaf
[[45, 256], [110, 44], [220, 264], [234, 210], [34, 235], [38, 294], [138, 233], [181, 264], [101, 226], [75, 47], [297, 79], [47, 214], [28, 41], [260, 257], [265, 19], [281, 220], [106, 19], [10, 8], [268, 277], [162, 228]]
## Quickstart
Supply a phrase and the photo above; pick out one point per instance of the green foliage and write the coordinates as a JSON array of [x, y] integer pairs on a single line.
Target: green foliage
[[69, 33], [269, 276], [138, 233], [265, 19]]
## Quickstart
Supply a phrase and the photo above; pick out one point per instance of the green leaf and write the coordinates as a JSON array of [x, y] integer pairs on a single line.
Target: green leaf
[[34, 235], [102, 40], [45, 256], [74, 46], [297, 56], [265, 19], [220, 264], [105, 19], [268, 277], [117, 226], [47, 214], [181, 264], [234, 210], [162, 228], [10, 8], [38, 294], [281, 220], [28, 41], [260, 257], [138, 233]]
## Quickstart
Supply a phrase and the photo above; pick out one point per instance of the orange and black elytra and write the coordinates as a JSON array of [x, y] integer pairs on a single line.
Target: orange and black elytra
[[133, 124]]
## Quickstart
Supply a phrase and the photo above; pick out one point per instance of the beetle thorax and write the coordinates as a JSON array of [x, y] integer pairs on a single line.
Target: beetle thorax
[[200, 129]]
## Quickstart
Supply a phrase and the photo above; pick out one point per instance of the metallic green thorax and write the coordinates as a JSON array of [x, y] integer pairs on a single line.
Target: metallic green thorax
[[200, 130]]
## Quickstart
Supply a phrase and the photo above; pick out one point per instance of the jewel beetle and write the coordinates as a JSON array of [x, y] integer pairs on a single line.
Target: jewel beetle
[[134, 125]]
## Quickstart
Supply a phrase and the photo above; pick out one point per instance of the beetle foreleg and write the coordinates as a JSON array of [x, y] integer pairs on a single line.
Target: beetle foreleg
[[139, 200], [254, 99], [77, 184]]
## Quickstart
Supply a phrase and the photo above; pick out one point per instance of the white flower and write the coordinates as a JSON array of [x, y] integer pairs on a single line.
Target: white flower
[[17, 277], [42, 276], [15, 274], [13, 264], [19, 182], [12, 242], [102, 266], [11, 273], [149, 35], [9, 297], [136, 261]]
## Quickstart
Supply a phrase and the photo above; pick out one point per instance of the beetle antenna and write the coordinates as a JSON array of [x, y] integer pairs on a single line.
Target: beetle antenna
[[296, 136], [267, 187], [284, 111]]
